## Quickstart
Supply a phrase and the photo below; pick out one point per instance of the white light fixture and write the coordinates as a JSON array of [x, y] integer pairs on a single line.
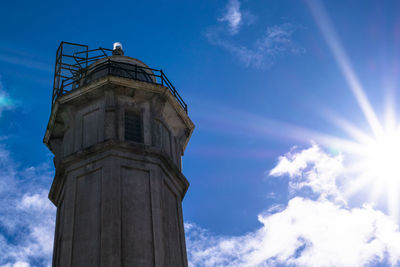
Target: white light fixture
[[117, 45]]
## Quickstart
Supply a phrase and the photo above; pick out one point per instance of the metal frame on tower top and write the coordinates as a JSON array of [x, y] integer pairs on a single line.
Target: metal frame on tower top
[[73, 60]]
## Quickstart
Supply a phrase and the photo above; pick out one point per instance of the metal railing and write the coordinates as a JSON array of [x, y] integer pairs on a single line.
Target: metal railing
[[73, 70]]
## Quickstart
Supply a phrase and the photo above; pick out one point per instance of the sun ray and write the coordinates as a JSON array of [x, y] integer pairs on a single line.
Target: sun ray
[[377, 191], [350, 128], [393, 198], [374, 159], [357, 184], [327, 29]]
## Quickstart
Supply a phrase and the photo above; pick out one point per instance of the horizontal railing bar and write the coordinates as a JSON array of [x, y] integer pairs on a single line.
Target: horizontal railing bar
[[63, 42], [65, 55], [92, 50], [69, 65], [83, 58]]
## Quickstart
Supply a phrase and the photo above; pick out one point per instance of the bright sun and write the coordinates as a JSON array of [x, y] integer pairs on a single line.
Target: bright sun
[[374, 163], [382, 157]]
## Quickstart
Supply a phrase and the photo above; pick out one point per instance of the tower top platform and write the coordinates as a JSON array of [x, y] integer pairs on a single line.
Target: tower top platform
[[77, 65]]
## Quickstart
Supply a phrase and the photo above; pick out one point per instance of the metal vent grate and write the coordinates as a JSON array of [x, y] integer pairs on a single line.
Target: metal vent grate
[[133, 127]]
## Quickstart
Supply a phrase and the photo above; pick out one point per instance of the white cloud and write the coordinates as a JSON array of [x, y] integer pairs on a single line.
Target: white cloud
[[307, 232], [37, 202], [233, 16], [312, 168], [21, 264], [17, 264], [276, 41], [27, 217]]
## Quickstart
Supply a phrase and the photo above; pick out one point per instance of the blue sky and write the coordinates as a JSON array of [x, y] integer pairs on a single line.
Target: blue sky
[[287, 98]]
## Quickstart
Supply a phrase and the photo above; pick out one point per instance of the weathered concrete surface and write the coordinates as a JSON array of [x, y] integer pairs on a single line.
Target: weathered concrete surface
[[118, 202]]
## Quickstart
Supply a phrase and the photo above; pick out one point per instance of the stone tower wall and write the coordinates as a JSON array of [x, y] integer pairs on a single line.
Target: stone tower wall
[[119, 202]]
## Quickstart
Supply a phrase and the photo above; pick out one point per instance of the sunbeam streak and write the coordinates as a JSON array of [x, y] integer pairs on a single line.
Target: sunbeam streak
[[372, 162], [327, 29], [374, 159]]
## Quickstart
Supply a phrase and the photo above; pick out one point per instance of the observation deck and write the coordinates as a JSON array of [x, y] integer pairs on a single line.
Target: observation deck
[[77, 65]]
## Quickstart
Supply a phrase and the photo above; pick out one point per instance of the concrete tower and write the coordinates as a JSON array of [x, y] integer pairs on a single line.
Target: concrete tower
[[117, 130]]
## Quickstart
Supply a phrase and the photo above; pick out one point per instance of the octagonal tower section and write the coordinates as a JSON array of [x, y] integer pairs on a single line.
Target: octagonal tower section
[[117, 135]]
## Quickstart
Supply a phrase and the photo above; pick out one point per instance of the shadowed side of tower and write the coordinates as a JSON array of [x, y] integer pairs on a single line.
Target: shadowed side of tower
[[118, 130]]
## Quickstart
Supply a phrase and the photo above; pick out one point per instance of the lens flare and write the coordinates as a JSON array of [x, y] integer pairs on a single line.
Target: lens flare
[[375, 157]]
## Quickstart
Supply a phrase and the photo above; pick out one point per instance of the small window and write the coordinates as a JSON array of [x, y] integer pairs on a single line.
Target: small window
[[133, 127]]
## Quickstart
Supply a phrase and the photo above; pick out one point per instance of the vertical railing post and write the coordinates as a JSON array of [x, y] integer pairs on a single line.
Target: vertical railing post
[[135, 72], [162, 77], [62, 88], [87, 57]]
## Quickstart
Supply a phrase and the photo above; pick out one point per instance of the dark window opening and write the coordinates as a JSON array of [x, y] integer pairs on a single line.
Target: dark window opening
[[133, 127]]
